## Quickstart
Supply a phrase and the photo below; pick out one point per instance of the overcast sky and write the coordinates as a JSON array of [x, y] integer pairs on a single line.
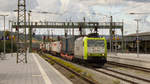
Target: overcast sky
[[93, 10]]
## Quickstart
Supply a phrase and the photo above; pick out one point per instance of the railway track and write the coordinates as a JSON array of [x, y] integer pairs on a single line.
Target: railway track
[[72, 71], [123, 76], [113, 73], [129, 66]]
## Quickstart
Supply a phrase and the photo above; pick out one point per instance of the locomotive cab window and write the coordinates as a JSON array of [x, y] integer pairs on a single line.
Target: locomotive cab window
[[96, 43]]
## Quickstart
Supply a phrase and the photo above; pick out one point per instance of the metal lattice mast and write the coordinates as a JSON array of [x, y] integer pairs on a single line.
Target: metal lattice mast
[[21, 41]]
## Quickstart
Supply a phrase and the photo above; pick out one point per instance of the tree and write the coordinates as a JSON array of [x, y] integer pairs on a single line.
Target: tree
[[8, 43]]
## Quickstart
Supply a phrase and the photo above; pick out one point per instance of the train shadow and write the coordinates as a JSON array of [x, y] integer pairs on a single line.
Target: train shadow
[[89, 65]]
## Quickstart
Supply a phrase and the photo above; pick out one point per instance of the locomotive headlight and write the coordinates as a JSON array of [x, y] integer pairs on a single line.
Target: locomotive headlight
[[103, 54]]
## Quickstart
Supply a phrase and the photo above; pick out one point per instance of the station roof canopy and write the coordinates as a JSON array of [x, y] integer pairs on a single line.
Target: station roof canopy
[[144, 36], [140, 34]]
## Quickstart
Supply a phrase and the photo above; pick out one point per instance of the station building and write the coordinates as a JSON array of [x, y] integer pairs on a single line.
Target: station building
[[130, 43], [144, 42]]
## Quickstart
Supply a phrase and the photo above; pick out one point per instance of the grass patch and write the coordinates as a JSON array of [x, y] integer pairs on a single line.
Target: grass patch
[[72, 76], [116, 81], [51, 62], [71, 66], [77, 69]]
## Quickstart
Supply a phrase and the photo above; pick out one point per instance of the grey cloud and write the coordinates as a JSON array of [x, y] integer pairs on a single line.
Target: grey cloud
[[31, 4], [139, 0], [10, 5], [146, 20], [49, 5], [7, 5], [105, 3]]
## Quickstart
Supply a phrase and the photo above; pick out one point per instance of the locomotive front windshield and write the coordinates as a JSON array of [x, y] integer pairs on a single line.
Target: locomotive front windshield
[[96, 43]]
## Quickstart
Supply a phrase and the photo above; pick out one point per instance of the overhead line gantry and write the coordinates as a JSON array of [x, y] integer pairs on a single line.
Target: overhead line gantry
[[73, 25], [59, 25]]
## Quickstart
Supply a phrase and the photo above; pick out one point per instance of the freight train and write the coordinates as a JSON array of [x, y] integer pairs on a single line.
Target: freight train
[[86, 48]]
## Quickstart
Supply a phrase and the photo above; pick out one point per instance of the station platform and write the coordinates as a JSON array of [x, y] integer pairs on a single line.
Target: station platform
[[36, 71], [142, 60]]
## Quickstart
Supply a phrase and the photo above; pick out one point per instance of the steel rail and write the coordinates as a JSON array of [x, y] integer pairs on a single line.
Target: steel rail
[[125, 74], [118, 77], [129, 66]]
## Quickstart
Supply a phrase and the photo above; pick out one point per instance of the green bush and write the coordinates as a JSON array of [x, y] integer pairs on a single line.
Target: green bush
[[8, 46]]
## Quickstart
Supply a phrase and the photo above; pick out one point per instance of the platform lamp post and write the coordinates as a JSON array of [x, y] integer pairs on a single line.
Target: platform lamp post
[[11, 30], [137, 35], [125, 32], [4, 35], [30, 30], [137, 20]]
